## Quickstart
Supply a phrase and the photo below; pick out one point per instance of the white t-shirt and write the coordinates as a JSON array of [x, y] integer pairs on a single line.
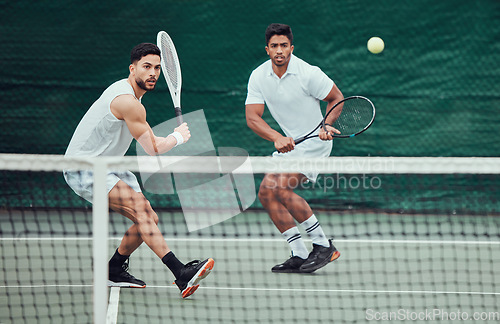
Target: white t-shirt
[[100, 132], [293, 100]]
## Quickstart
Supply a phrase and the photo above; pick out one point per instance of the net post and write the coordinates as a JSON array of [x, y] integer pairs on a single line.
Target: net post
[[100, 242]]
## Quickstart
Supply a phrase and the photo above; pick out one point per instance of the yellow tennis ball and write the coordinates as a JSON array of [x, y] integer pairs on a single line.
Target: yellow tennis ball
[[375, 45]]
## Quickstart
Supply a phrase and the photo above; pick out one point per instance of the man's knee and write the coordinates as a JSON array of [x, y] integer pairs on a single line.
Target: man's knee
[[144, 211], [267, 190], [265, 194], [283, 194], [139, 208]]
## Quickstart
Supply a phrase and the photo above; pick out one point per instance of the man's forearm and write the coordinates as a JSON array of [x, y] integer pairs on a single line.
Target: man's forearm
[[154, 145], [261, 128]]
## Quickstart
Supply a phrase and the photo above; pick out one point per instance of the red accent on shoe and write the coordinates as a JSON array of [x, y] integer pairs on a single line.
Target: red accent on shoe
[[189, 291], [335, 256]]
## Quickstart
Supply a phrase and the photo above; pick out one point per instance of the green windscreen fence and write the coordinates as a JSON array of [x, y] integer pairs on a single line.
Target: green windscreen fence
[[412, 240], [436, 85]]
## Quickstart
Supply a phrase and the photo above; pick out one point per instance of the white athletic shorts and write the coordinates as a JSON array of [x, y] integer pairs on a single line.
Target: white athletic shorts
[[311, 148], [82, 182]]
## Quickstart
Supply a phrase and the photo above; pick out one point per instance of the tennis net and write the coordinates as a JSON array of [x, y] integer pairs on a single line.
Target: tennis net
[[419, 240]]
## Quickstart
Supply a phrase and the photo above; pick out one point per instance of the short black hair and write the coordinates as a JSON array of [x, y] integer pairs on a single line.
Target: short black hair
[[279, 29], [143, 49]]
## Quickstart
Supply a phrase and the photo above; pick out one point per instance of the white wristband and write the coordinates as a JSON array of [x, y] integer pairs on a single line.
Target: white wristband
[[178, 137]]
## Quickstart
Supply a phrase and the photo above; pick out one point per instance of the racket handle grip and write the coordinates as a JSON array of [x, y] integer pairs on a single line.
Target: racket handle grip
[[178, 114], [300, 140]]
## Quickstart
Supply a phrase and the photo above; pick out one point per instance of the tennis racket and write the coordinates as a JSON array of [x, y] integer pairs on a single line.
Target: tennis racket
[[353, 116], [171, 70]]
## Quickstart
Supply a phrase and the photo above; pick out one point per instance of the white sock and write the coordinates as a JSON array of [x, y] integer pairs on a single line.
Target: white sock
[[312, 227], [294, 239]]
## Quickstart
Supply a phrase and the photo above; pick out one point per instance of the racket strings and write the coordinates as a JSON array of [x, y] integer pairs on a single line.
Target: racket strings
[[169, 59], [355, 116]]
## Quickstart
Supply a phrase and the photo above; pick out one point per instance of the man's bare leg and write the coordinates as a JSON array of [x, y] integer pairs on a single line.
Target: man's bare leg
[[133, 205], [277, 198], [283, 205]]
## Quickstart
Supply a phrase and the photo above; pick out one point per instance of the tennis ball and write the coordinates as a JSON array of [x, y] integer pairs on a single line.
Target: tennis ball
[[375, 45]]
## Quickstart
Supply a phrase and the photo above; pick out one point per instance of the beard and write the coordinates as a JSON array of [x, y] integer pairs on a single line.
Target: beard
[[142, 84]]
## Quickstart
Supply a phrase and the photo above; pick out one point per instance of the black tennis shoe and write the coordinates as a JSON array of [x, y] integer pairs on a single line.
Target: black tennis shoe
[[291, 265], [319, 257], [191, 275], [119, 277]]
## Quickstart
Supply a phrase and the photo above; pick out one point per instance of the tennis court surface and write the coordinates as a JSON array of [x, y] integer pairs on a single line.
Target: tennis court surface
[[413, 242]]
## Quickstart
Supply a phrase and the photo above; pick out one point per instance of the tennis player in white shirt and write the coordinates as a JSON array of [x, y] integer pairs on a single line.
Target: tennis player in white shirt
[[292, 90]]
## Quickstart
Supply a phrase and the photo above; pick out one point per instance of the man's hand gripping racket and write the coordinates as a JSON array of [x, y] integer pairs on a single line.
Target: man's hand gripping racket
[[349, 117]]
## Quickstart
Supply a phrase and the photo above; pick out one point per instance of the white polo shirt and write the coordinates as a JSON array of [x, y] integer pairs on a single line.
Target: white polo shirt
[[294, 99]]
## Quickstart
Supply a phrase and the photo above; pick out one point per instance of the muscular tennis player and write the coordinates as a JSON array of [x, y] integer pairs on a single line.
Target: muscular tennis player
[[292, 90], [107, 129]]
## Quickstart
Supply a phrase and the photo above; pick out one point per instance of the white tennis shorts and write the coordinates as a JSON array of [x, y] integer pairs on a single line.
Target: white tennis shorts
[[82, 182], [311, 148]]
